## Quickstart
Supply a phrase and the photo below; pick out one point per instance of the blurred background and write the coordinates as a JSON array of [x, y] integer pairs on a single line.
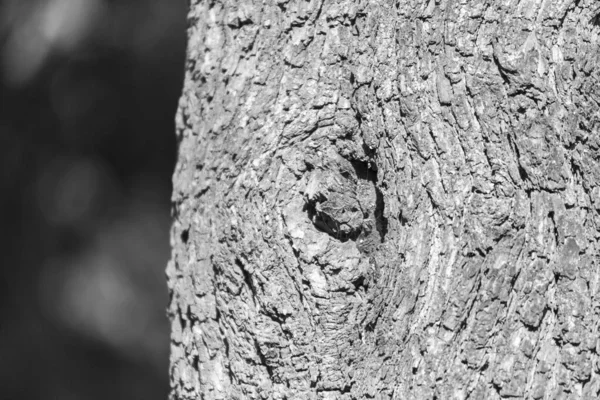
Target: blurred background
[[88, 94]]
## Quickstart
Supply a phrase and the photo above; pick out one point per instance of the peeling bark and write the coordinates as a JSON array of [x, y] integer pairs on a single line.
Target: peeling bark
[[387, 199]]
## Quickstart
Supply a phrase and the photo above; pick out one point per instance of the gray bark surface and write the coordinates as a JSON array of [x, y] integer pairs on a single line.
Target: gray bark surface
[[387, 200]]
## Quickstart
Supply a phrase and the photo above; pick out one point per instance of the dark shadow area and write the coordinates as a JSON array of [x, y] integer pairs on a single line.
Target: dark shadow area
[[368, 172], [89, 90]]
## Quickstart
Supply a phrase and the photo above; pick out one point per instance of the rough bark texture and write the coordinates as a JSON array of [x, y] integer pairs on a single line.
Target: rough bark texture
[[389, 200]]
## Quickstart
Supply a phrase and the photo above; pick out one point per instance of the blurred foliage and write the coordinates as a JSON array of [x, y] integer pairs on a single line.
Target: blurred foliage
[[88, 95]]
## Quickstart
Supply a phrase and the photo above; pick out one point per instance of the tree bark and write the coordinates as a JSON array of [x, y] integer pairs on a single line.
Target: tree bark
[[387, 200]]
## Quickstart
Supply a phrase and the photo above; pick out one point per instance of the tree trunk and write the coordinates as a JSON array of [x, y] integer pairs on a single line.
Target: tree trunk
[[387, 199]]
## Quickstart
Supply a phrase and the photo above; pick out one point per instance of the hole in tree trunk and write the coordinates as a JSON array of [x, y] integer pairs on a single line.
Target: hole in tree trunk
[[368, 173], [353, 214]]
